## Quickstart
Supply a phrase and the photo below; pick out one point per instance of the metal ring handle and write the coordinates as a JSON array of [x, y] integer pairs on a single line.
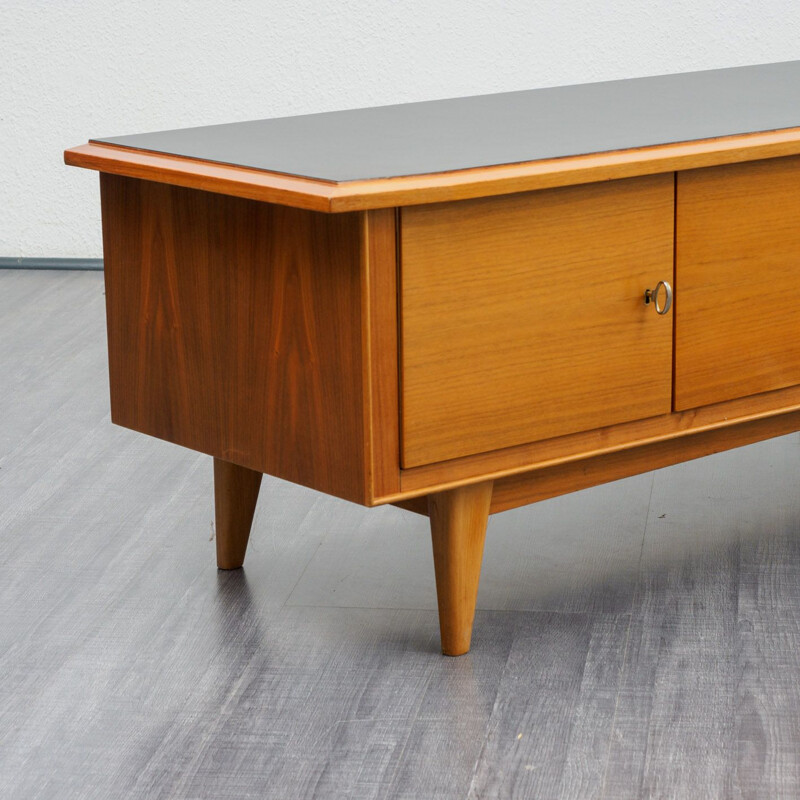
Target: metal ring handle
[[651, 296]]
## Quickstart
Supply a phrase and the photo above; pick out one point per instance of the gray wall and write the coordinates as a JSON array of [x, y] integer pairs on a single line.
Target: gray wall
[[71, 70]]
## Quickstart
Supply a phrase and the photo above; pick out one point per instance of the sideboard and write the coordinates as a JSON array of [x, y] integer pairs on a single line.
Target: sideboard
[[460, 306]]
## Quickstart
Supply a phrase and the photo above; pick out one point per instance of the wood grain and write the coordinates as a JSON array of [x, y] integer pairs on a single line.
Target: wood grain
[[458, 531], [234, 328], [379, 315], [530, 487], [235, 496], [523, 316], [674, 720], [703, 708], [523, 488], [575, 447], [738, 240], [434, 188], [250, 184], [766, 760], [418, 504], [553, 717]]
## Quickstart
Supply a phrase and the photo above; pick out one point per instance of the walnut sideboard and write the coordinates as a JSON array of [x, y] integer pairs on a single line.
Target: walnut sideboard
[[460, 306]]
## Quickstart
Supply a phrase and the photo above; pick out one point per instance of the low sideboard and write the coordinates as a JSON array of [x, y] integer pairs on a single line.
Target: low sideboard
[[460, 306]]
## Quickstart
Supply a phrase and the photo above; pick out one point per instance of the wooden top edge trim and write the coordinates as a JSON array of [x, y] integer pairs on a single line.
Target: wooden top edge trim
[[465, 184], [209, 176], [571, 170]]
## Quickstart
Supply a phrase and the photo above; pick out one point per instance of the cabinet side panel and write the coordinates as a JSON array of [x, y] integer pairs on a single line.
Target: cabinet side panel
[[234, 328], [737, 266]]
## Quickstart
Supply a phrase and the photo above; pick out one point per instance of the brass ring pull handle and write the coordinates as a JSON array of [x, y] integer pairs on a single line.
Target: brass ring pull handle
[[651, 296]]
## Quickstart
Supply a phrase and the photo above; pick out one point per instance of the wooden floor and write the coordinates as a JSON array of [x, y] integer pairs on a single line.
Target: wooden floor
[[640, 639]]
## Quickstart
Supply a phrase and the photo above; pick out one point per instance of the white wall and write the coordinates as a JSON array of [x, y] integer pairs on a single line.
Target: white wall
[[71, 70]]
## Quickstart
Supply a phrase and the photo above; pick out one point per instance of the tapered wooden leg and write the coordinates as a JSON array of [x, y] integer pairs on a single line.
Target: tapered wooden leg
[[235, 495], [458, 529]]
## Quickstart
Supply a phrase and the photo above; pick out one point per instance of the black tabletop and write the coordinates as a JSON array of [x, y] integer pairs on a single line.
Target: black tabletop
[[486, 130]]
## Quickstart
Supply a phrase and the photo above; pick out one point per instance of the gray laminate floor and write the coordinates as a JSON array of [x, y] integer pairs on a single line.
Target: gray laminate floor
[[639, 639]]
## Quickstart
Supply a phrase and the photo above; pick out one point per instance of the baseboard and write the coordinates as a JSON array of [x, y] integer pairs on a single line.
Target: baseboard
[[51, 263]]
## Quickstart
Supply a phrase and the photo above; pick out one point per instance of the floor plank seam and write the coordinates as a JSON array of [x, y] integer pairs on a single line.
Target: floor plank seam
[[621, 679], [286, 603], [472, 790]]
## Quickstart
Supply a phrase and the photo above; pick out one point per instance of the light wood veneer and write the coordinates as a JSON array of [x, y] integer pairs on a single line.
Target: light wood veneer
[[738, 260], [523, 317]]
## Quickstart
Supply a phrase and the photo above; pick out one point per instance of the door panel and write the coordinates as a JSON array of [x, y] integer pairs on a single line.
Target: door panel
[[523, 316], [737, 329]]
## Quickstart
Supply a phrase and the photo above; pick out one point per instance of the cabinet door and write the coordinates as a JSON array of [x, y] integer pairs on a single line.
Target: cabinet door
[[737, 328], [523, 316]]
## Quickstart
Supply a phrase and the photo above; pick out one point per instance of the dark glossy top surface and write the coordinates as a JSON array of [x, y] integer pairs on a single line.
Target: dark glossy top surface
[[486, 130]]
